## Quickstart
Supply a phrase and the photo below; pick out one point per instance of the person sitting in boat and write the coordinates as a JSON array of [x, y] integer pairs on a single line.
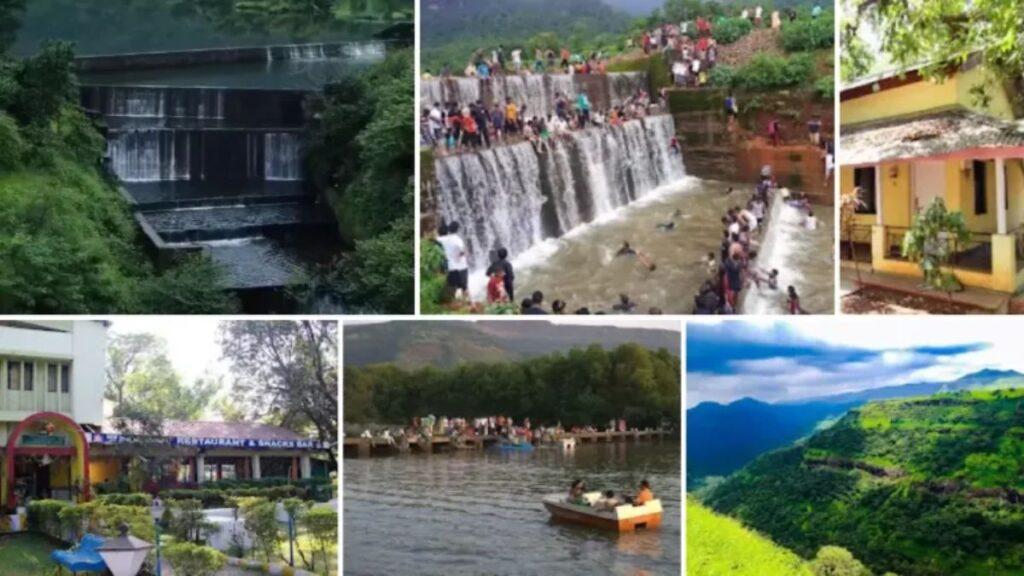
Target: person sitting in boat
[[643, 496], [576, 491], [608, 501]]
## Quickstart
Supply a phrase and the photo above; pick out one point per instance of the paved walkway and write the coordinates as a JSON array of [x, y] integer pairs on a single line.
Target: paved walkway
[[166, 570], [990, 300]]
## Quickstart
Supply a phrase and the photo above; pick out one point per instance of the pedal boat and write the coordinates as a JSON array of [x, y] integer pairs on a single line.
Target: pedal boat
[[624, 518]]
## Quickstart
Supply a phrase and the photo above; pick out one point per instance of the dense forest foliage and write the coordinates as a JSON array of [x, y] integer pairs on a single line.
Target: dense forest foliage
[[362, 155], [585, 386], [68, 241], [920, 487], [70, 244], [452, 30]]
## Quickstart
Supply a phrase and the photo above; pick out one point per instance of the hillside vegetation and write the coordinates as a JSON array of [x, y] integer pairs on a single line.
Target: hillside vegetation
[[920, 487], [719, 546], [585, 386]]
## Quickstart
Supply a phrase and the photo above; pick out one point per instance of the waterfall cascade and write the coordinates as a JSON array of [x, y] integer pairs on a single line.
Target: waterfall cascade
[[515, 196], [537, 92]]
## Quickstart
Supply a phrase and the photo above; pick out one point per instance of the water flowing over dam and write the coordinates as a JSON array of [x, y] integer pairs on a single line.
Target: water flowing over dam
[[537, 92], [219, 169], [516, 196]]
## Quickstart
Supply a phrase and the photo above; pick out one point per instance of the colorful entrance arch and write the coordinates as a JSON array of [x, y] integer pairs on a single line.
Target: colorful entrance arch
[[79, 454]]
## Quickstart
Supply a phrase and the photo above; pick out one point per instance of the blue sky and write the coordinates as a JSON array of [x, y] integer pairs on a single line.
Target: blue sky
[[778, 361]]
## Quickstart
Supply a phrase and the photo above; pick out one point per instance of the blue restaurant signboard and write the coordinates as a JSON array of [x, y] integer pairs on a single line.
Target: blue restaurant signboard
[[190, 442]]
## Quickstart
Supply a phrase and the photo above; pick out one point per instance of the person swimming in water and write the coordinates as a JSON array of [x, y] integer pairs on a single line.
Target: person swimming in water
[[667, 226], [627, 250], [625, 304], [794, 301]]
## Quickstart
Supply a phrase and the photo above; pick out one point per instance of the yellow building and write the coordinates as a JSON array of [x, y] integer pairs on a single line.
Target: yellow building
[[907, 140]]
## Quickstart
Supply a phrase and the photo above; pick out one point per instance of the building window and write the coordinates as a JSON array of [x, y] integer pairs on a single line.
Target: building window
[[51, 378], [14, 375], [29, 377], [65, 378], [980, 188], [864, 178]]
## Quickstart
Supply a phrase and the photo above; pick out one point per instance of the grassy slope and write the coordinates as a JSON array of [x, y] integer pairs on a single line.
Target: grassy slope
[[717, 545], [934, 511]]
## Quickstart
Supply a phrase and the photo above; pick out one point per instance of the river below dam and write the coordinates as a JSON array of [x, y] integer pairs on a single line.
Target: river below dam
[[471, 513], [581, 267]]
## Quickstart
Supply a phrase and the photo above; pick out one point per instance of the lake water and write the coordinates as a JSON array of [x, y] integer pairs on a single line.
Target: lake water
[[472, 513], [581, 268]]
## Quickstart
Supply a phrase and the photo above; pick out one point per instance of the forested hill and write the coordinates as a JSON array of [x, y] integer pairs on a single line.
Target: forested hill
[[722, 438], [445, 344], [453, 29], [126, 26], [920, 487]]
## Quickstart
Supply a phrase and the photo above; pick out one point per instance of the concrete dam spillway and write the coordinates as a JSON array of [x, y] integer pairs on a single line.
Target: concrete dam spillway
[[219, 169], [516, 196], [537, 91]]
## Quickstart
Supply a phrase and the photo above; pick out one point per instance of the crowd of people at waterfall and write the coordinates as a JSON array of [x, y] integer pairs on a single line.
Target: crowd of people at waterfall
[[486, 426], [734, 267], [501, 280], [499, 61], [454, 127]]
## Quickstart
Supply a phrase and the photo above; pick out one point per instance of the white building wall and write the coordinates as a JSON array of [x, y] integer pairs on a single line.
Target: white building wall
[[88, 372], [82, 343]]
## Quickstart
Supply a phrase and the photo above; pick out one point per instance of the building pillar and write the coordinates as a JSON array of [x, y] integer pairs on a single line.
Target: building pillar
[[256, 472], [1000, 196], [293, 472], [878, 195], [878, 246], [305, 467], [200, 468], [1004, 262]]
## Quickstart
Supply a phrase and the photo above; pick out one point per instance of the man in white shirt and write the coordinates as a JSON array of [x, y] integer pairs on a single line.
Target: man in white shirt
[[458, 261], [749, 219]]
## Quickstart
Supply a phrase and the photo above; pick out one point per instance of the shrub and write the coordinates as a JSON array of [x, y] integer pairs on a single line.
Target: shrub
[[825, 88], [729, 30], [194, 560], [73, 521], [321, 525], [722, 76], [44, 516], [188, 522], [134, 499], [808, 34], [11, 144], [767, 72], [260, 521]]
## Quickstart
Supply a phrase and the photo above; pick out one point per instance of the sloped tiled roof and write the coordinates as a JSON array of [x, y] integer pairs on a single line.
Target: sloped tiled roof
[[229, 430], [934, 134]]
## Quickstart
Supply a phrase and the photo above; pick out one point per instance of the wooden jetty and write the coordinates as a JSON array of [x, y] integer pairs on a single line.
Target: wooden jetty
[[367, 447]]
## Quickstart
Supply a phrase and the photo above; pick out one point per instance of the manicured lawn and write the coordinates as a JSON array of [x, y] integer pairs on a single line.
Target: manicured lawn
[[26, 554]]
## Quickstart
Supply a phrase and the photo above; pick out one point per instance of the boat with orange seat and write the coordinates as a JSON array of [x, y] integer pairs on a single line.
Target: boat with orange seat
[[622, 518]]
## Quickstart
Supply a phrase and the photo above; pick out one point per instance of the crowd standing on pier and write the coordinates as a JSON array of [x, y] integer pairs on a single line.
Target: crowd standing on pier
[[505, 427]]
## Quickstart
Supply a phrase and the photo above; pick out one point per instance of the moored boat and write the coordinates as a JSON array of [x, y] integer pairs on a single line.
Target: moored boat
[[622, 518], [507, 445]]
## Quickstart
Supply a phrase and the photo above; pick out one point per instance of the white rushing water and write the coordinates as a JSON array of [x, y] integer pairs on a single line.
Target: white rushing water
[[149, 155], [282, 156], [785, 247], [516, 196], [145, 102]]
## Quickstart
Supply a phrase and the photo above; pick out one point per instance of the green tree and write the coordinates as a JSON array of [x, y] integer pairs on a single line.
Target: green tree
[[836, 561], [127, 353], [937, 33], [933, 240], [286, 372]]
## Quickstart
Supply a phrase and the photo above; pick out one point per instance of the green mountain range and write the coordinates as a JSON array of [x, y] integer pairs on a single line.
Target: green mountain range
[[927, 486], [415, 344]]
